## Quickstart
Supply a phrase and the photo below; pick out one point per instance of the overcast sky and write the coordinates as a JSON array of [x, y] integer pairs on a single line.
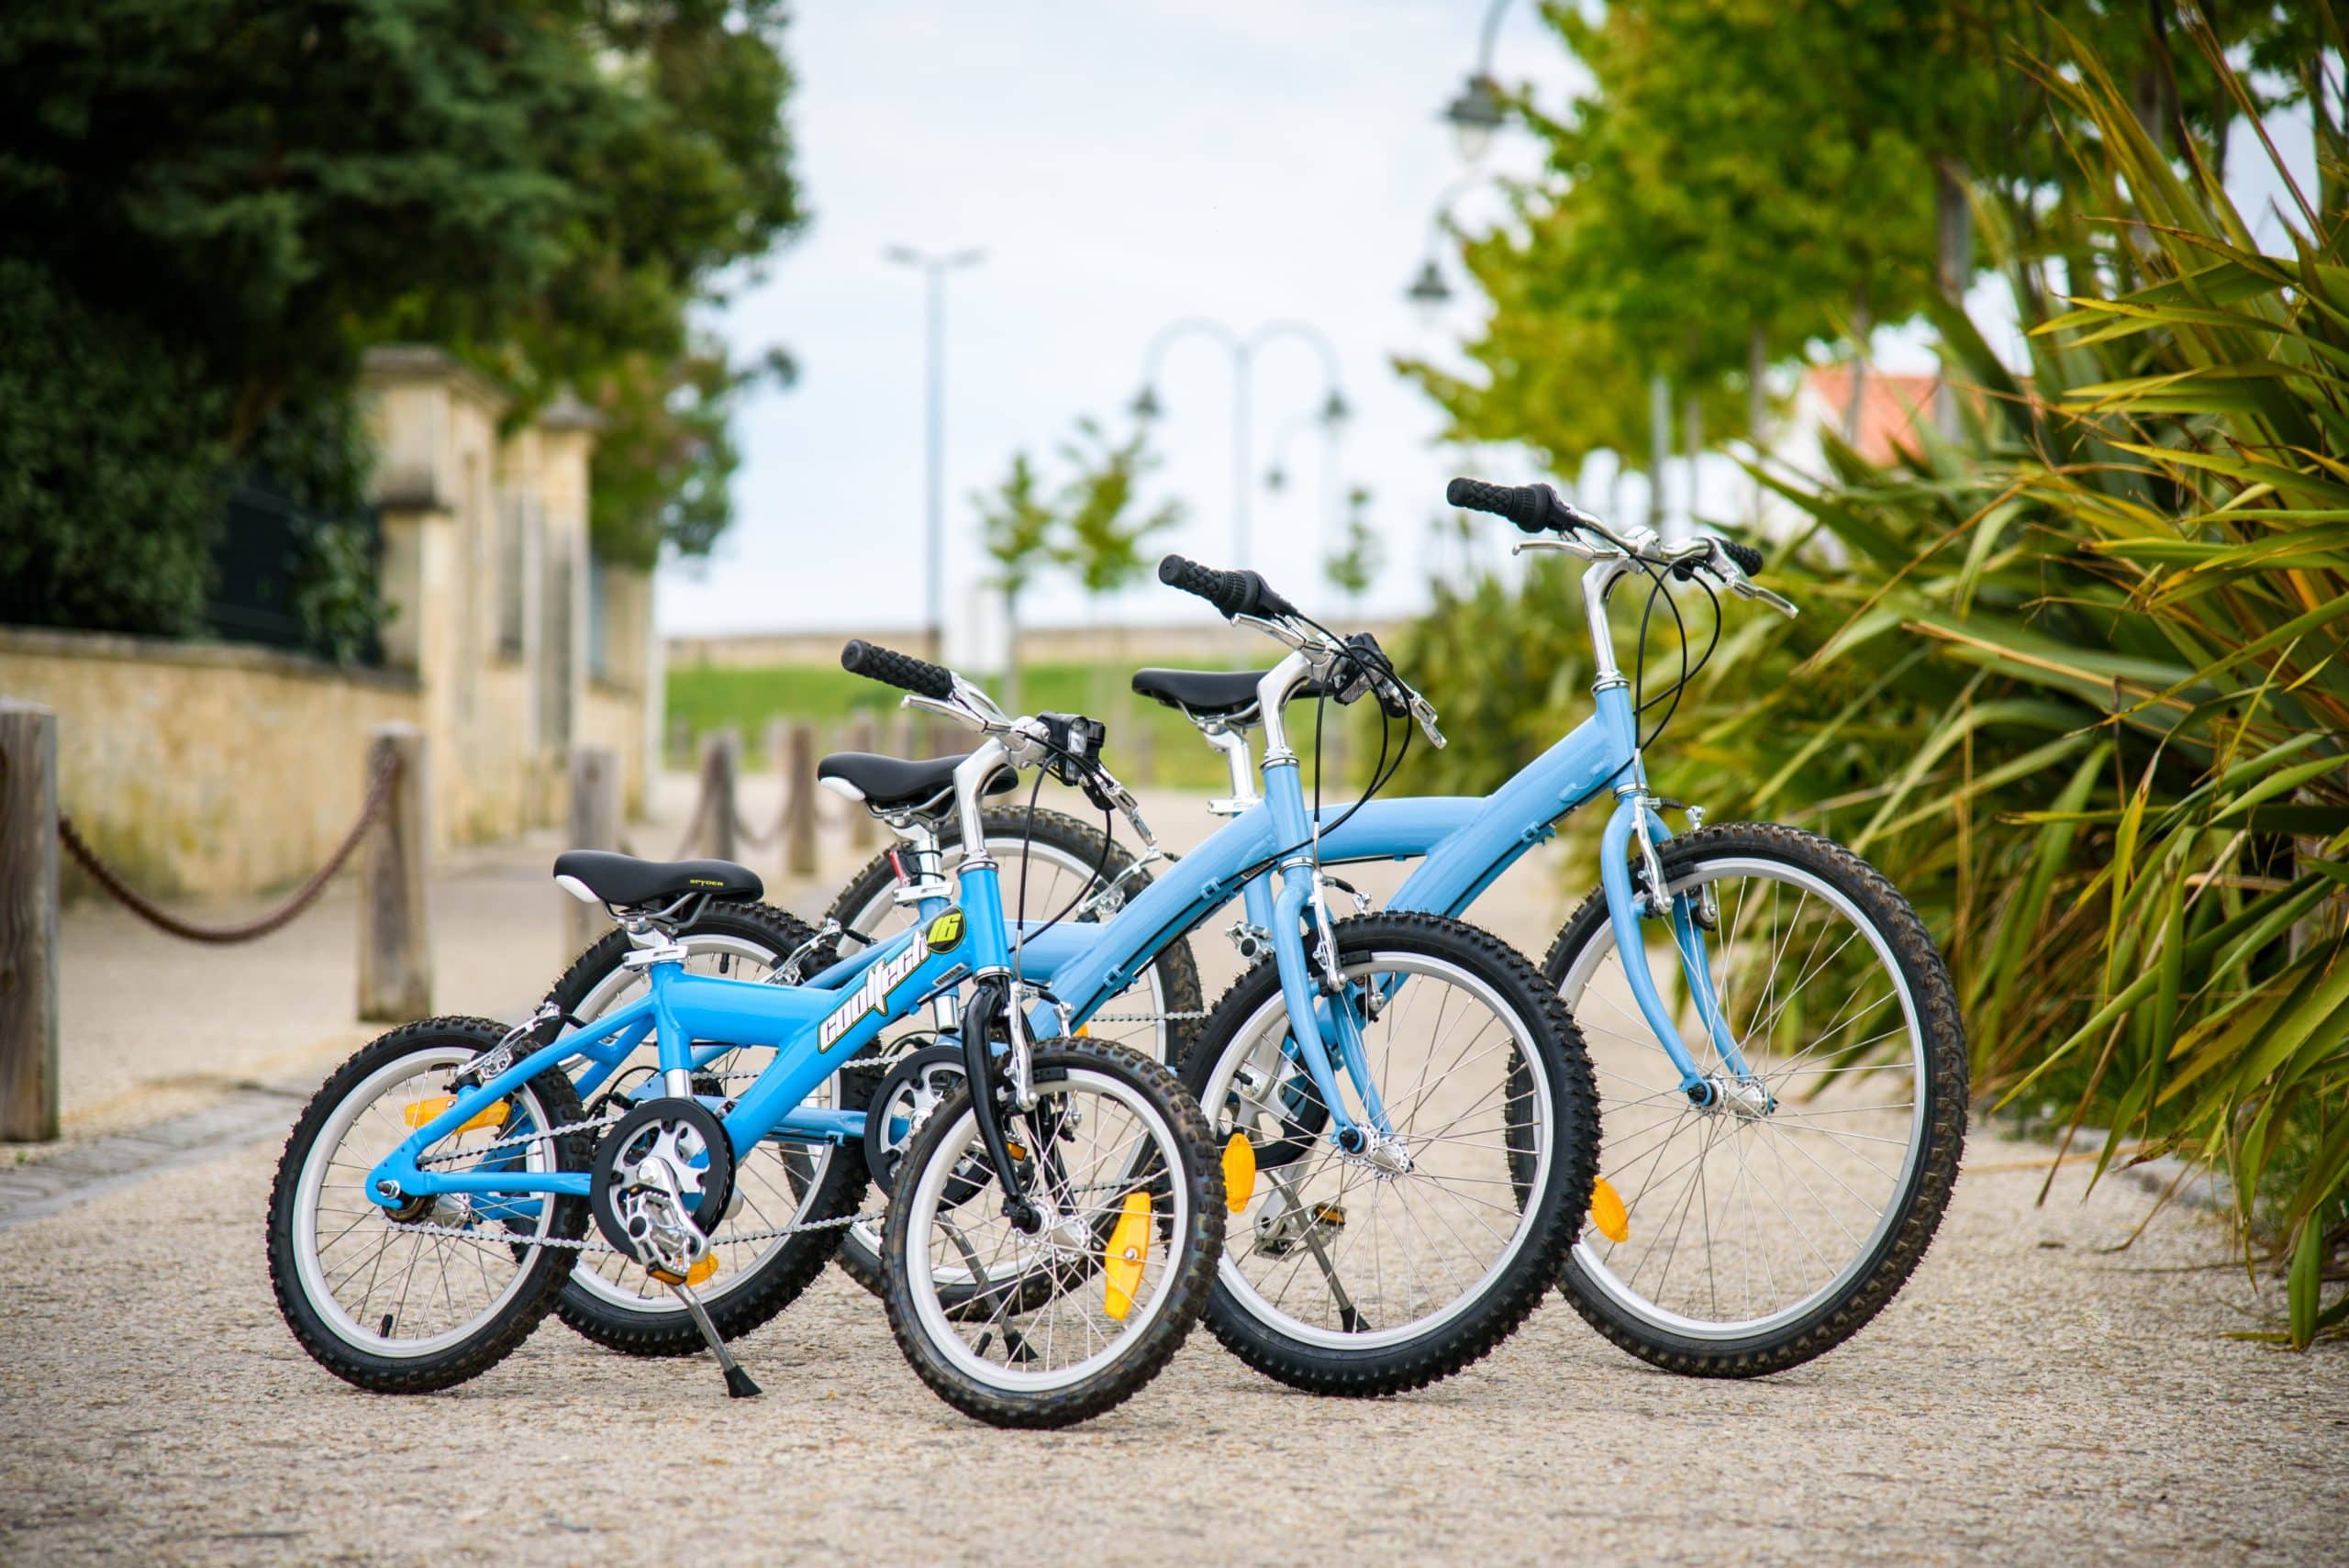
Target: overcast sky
[[1122, 166]]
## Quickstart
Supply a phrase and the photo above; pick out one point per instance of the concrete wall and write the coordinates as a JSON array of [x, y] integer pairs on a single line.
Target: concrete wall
[[199, 769]]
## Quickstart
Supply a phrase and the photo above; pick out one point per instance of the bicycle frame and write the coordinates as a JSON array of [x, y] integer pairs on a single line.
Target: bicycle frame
[[1463, 844], [814, 1027]]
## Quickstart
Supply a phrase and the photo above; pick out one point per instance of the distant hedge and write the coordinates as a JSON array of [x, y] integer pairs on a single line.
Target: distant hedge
[[111, 465]]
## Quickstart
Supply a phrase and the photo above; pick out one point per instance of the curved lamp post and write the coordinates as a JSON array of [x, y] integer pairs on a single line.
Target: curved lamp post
[[934, 267], [1244, 351], [1476, 111], [1429, 292]]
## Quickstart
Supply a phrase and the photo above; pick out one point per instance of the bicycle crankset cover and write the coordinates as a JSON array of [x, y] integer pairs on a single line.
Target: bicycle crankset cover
[[912, 1090], [683, 1132]]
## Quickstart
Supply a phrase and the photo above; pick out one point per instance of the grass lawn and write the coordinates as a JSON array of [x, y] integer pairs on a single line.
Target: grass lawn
[[708, 697]]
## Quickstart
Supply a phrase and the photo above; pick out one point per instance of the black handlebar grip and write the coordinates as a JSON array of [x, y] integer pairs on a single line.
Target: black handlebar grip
[[1532, 507], [1748, 559], [1232, 592], [899, 670]]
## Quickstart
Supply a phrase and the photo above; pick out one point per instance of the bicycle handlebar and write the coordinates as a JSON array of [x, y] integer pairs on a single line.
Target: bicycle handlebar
[[1235, 594], [902, 671]]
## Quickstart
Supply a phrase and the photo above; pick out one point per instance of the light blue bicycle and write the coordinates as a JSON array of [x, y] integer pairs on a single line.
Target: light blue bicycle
[[1782, 1068], [1419, 1140], [1050, 1240]]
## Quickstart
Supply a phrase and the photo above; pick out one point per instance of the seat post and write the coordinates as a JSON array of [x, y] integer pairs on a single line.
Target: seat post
[[919, 833]]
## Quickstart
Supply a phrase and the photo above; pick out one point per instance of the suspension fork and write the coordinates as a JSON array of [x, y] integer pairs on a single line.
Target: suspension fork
[[1626, 907]]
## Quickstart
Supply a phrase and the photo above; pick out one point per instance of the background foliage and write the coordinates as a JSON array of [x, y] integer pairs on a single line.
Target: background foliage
[[229, 201], [2074, 679]]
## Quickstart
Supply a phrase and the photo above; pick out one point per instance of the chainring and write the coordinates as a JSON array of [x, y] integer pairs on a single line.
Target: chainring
[[676, 1127]]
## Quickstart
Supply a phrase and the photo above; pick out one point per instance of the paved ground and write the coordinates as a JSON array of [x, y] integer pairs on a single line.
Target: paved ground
[[2033, 1396]]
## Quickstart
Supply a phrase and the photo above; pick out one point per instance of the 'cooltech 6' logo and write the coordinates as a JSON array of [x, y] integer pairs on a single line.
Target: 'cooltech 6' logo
[[872, 993]]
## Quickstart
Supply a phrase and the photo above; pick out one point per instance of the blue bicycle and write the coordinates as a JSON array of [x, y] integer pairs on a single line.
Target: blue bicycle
[[1055, 1219], [1782, 1071], [1421, 1139]]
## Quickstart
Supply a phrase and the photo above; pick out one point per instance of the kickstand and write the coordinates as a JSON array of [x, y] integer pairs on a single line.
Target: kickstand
[[1351, 1321], [738, 1382]]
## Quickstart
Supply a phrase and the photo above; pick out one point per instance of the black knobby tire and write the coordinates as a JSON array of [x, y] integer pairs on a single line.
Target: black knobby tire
[[1201, 1178], [1512, 1297], [1926, 1197], [543, 1274], [758, 1294], [1176, 969]]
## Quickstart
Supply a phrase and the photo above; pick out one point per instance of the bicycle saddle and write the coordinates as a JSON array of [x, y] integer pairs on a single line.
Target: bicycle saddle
[[1226, 696], [628, 882], [893, 784]]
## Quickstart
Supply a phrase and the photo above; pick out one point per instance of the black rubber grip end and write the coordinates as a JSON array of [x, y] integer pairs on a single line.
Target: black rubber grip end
[[1532, 507], [899, 670], [1748, 559]]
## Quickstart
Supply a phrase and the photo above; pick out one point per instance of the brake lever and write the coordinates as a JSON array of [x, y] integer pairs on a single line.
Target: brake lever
[[1424, 711], [1747, 589]]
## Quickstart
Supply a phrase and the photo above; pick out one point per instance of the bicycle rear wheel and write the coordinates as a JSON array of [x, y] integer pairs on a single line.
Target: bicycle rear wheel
[[1756, 1233]]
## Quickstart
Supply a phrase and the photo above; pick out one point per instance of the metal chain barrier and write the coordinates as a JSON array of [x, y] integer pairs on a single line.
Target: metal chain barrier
[[379, 793]]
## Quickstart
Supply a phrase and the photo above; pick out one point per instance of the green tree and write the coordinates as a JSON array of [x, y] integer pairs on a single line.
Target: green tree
[[545, 185], [1354, 565], [1019, 530], [1104, 524]]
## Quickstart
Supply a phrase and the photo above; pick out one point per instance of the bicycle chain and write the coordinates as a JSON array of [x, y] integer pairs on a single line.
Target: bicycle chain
[[593, 1244]]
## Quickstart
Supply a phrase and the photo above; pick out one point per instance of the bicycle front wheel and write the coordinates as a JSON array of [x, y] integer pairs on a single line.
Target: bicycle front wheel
[[1385, 1268], [1055, 1323], [1759, 1224]]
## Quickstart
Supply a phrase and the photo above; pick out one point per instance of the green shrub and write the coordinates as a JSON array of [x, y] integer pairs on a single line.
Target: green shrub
[[110, 466]]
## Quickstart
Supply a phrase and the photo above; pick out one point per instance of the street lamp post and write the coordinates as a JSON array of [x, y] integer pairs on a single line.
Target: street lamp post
[[1244, 351], [935, 268], [1478, 112]]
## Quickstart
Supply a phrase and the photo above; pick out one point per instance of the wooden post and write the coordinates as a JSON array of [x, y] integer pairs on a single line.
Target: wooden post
[[595, 825], [27, 922], [864, 832], [681, 743], [797, 763], [901, 737], [394, 932], [721, 758], [1142, 751]]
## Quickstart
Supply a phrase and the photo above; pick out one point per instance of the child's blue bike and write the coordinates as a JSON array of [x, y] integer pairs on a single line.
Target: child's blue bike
[[1419, 1143], [1782, 1069], [1051, 1237]]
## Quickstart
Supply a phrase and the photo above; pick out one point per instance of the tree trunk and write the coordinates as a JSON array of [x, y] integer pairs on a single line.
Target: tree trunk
[[1862, 329], [1659, 446], [1011, 652], [1757, 406], [1692, 420], [1954, 269]]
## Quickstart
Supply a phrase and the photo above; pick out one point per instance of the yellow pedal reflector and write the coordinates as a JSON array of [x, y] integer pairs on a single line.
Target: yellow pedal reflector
[[1128, 1251], [1239, 1172], [703, 1270], [1607, 1212], [421, 1113]]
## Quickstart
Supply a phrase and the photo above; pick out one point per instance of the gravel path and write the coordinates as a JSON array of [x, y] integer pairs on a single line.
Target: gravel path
[[2033, 1397]]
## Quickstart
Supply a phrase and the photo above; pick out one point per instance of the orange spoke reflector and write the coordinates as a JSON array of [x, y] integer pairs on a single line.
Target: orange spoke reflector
[[421, 1113], [1607, 1212], [1128, 1251], [1239, 1172], [703, 1270]]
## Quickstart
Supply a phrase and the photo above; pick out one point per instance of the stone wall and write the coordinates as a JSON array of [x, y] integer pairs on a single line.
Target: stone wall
[[215, 770], [204, 768]]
